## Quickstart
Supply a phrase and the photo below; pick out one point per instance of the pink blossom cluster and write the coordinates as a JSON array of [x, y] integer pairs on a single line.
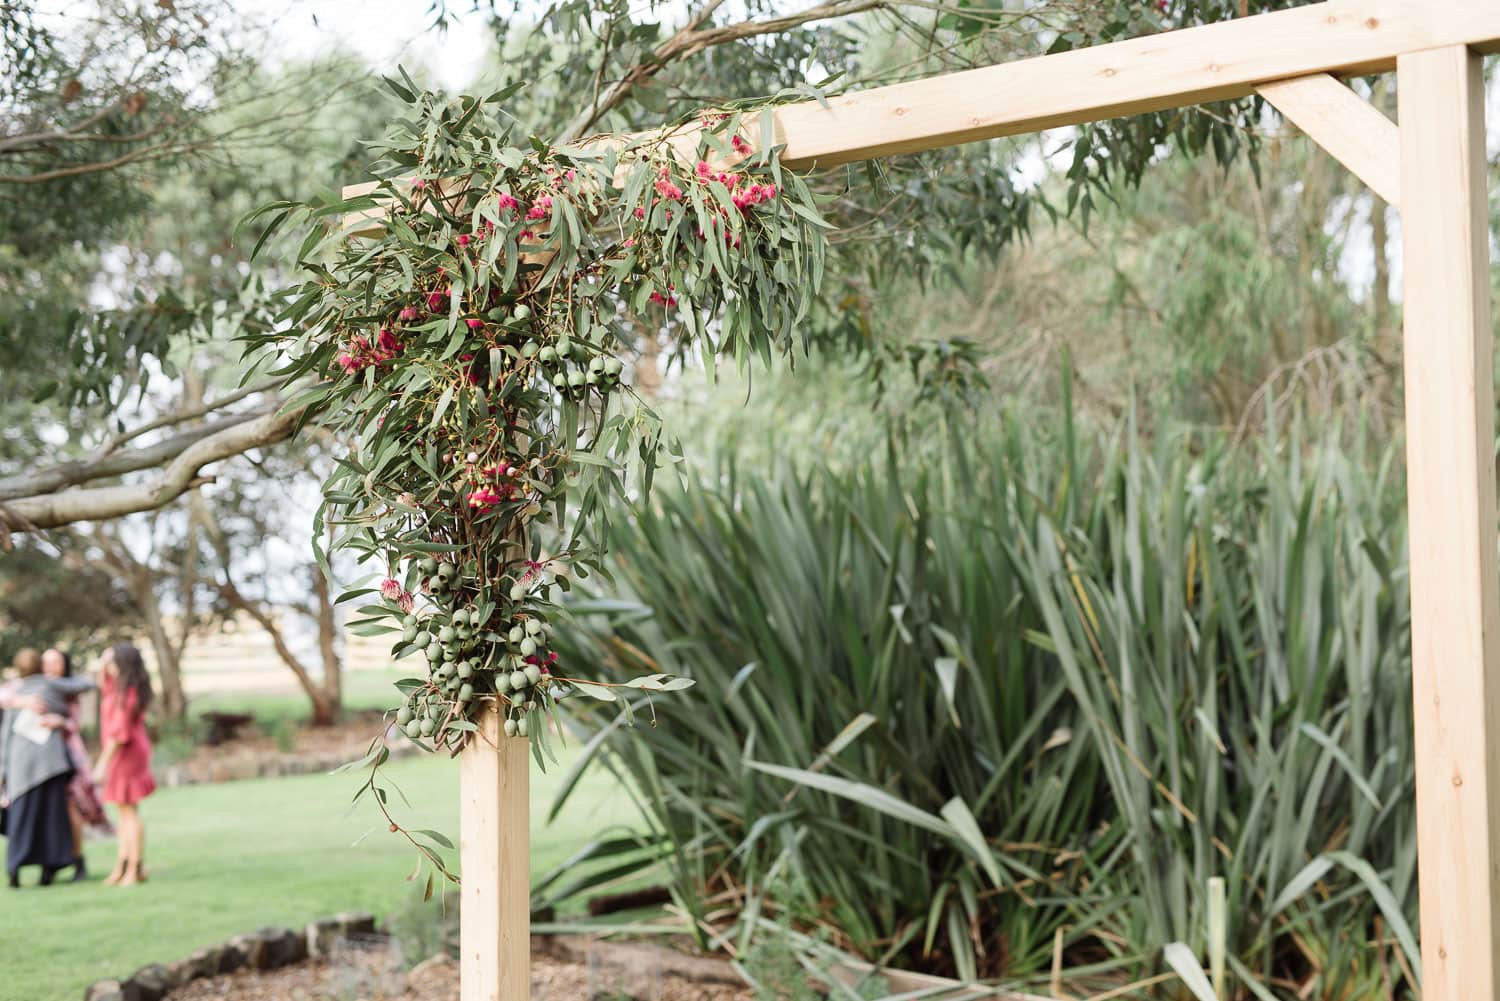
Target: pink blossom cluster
[[362, 354], [391, 590]]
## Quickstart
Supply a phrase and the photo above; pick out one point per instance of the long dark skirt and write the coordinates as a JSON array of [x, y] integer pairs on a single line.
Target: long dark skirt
[[36, 827]]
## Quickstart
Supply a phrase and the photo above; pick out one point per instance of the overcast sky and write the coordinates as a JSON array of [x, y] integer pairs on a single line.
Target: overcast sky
[[385, 32]]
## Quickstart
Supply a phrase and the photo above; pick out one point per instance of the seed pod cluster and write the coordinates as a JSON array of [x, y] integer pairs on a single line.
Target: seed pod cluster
[[575, 368], [475, 645]]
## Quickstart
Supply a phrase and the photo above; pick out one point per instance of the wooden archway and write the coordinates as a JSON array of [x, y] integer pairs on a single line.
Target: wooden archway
[[1431, 167]]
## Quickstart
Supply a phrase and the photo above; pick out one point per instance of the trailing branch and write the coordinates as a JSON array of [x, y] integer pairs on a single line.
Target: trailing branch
[[51, 510]]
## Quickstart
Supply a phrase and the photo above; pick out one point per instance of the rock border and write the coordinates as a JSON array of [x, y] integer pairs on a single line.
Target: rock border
[[266, 949]]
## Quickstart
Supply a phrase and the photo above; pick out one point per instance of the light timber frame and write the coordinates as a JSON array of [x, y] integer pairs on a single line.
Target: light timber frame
[[1432, 167]]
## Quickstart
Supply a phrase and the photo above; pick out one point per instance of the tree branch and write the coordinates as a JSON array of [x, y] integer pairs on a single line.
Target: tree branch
[[80, 471], [181, 475], [692, 39]]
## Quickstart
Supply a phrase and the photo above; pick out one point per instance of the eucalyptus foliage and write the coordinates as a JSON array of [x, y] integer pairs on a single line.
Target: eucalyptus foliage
[[468, 350]]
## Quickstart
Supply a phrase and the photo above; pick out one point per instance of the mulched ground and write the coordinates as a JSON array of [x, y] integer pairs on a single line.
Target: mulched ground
[[372, 973]]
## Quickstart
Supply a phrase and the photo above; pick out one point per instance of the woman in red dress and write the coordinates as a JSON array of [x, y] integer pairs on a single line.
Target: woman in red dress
[[125, 762]]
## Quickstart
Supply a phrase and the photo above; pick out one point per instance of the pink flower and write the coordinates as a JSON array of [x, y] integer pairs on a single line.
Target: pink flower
[[703, 168], [640, 212], [419, 185], [388, 343], [435, 301], [406, 601], [667, 189], [349, 363], [390, 589], [483, 499], [463, 239], [541, 208], [474, 323], [408, 313], [507, 202], [739, 144], [630, 241]]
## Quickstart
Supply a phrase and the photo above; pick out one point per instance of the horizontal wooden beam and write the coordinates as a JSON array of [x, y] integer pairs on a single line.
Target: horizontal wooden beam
[[1212, 62], [1192, 66], [1351, 129]]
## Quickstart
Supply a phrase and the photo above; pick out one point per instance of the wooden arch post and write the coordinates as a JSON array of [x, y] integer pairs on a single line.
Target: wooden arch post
[[1450, 469], [1432, 165], [494, 845]]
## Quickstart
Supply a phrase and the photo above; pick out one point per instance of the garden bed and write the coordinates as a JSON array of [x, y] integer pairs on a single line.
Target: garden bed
[[370, 970]]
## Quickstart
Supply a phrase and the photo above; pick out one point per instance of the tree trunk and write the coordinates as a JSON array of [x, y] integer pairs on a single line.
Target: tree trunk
[[173, 701], [647, 381], [328, 642], [324, 711]]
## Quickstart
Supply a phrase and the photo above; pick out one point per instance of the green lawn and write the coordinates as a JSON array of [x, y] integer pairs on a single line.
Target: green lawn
[[234, 857]]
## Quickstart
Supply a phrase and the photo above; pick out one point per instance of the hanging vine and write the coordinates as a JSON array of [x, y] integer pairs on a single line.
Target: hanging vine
[[469, 340]]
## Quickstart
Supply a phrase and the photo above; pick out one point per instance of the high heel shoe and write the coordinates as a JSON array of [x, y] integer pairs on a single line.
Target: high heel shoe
[[80, 870], [15, 879], [49, 875]]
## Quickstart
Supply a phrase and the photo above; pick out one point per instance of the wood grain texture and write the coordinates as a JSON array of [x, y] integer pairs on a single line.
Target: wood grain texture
[[1455, 594], [495, 856], [1352, 131]]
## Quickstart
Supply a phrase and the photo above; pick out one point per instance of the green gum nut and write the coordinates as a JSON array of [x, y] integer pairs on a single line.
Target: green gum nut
[[613, 366], [518, 679], [413, 729], [429, 565], [521, 313], [516, 634], [409, 634], [518, 592], [529, 349], [409, 621], [522, 728], [447, 634], [427, 727], [404, 715], [559, 380], [533, 627], [422, 639], [528, 647], [510, 728], [564, 346], [533, 673], [446, 570], [575, 378], [465, 692], [547, 355]]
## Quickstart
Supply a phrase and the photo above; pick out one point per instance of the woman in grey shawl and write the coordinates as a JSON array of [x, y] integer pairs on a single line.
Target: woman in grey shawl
[[35, 770]]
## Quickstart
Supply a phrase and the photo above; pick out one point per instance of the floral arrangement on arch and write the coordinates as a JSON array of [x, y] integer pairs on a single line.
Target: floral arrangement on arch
[[471, 344]]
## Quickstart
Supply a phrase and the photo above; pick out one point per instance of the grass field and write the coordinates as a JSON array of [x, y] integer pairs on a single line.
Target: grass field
[[230, 858]]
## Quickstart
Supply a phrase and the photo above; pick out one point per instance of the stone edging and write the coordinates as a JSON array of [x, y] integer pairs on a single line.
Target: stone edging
[[266, 949]]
